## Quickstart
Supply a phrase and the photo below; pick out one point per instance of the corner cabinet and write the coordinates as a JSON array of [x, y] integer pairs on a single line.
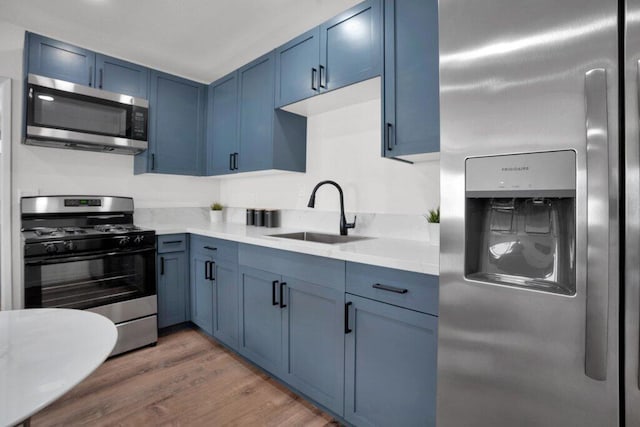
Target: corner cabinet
[[291, 308], [63, 61], [214, 288], [176, 127], [172, 279], [265, 138], [411, 118], [344, 50]]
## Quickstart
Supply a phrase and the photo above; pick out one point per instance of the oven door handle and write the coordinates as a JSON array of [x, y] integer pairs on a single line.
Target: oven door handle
[[61, 260]]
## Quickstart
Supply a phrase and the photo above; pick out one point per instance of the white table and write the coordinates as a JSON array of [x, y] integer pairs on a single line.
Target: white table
[[46, 352]]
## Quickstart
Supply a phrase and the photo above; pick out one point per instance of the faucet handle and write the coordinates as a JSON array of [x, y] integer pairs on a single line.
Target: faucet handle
[[352, 224]]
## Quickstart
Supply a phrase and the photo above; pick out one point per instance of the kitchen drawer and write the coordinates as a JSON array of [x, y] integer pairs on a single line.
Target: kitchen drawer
[[218, 249], [402, 288], [172, 243]]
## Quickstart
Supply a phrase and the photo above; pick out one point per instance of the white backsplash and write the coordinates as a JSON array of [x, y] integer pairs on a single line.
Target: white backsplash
[[408, 227]]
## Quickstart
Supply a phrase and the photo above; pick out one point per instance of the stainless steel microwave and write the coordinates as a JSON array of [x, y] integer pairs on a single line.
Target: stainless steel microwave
[[68, 115]]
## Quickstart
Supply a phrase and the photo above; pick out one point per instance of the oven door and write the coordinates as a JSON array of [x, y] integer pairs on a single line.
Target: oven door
[[88, 281]]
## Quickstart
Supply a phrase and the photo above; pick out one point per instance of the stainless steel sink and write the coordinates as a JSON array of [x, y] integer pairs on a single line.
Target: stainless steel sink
[[320, 237]]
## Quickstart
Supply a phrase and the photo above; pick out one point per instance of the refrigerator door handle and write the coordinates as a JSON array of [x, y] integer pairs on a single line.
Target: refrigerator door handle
[[597, 267]]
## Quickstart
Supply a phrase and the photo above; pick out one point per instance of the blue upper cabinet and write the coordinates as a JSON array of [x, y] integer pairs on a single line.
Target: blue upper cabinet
[[62, 61], [344, 50], [351, 46], [222, 125], [244, 131], [58, 60], [297, 65], [176, 127], [116, 75], [257, 83], [411, 84]]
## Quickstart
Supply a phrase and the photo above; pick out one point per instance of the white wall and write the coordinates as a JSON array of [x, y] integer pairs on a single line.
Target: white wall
[[344, 145]]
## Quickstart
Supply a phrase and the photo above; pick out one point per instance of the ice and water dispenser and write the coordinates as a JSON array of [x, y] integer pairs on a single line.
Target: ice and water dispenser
[[521, 220]]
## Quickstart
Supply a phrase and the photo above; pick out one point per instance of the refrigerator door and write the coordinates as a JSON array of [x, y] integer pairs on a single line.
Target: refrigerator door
[[520, 76], [631, 234]]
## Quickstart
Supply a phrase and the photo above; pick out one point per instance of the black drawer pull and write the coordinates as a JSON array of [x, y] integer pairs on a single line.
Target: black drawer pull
[[212, 268], [273, 292], [347, 330], [162, 266], [390, 288], [282, 285], [210, 248], [172, 242]]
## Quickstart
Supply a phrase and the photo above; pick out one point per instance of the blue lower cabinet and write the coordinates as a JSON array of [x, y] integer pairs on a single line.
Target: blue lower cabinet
[[261, 314], [225, 300], [390, 365], [314, 341], [202, 291], [173, 290]]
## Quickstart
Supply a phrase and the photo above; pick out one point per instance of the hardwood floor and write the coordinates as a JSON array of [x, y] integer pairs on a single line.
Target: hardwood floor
[[187, 379]]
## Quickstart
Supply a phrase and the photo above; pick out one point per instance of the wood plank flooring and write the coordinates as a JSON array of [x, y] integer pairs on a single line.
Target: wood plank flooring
[[186, 380]]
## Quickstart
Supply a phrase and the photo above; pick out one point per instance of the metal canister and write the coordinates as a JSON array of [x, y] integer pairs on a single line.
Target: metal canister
[[258, 218], [272, 218], [250, 216]]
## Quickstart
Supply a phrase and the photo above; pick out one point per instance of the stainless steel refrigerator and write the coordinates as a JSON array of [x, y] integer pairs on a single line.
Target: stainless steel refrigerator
[[540, 233]]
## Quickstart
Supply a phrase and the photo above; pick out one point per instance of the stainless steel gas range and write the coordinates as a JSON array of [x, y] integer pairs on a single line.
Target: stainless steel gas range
[[84, 252]]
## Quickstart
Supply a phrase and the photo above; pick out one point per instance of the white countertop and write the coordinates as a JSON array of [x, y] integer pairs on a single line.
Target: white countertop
[[409, 255], [46, 352]]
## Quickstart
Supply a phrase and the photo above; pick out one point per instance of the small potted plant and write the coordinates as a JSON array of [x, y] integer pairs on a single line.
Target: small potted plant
[[215, 214], [433, 218]]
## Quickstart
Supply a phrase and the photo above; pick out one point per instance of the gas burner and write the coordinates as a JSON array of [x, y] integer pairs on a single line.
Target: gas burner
[[45, 231], [117, 228], [74, 230]]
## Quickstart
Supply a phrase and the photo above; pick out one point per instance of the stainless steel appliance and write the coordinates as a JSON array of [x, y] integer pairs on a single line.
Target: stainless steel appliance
[[540, 232], [67, 115], [84, 252]]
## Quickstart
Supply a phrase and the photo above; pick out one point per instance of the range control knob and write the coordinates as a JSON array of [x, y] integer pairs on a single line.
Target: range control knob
[[138, 239], [69, 245], [51, 248], [124, 241]]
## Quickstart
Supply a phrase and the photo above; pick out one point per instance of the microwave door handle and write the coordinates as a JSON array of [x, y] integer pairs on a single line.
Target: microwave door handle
[[597, 239]]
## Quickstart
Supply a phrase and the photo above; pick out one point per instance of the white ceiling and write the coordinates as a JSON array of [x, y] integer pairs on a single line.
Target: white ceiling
[[198, 39]]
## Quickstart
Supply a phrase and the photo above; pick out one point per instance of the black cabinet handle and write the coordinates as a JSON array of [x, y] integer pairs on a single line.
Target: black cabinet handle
[[235, 161], [390, 288], [314, 73], [282, 285], [206, 270], [153, 161], [323, 77], [100, 81], [90, 76], [172, 242], [230, 161], [210, 248], [347, 330], [273, 292], [162, 266], [388, 137], [212, 269]]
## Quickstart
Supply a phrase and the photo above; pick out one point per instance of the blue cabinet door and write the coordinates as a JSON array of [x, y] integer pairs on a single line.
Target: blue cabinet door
[[225, 320], [351, 46], [222, 125], [256, 114], [58, 60], [201, 292], [314, 344], [411, 123], [116, 75], [261, 332], [297, 67], [172, 288], [390, 365], [176, 126]]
